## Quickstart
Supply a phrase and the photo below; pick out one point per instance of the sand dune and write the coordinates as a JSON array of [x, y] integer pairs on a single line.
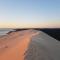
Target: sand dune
[[14, 45], [29, 45], [43, 47]]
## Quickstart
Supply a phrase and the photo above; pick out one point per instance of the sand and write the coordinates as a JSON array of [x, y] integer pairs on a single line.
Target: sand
[[29, 45], [43, 47], [14, 45]]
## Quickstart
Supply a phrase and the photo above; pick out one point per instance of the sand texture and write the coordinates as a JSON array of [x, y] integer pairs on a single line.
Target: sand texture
[[29, 45]]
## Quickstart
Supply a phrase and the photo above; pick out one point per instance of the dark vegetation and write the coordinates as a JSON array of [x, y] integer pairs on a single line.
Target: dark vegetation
[[15, 30], [20, 29], [54, 32], [9, 32]]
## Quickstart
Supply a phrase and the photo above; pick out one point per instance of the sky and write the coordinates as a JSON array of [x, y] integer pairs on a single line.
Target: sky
[[29, 13]]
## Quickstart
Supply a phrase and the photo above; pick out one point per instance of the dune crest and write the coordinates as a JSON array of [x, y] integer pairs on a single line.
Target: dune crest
[[14, 45]]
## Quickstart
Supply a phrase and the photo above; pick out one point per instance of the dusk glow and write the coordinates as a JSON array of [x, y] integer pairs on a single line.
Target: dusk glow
[[29, 13]]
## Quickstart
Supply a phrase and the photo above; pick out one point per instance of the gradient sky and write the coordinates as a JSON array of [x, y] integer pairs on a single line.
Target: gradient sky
[[30, 13]]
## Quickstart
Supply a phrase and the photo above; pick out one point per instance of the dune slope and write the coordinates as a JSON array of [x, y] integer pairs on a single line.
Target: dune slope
[[14, 45], [29, 45]]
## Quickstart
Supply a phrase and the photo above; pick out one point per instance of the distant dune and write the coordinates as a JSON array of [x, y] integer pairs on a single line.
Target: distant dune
[[29, 45]]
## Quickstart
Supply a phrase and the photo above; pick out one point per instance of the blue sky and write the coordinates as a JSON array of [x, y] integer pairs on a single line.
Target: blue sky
[[30, 13]]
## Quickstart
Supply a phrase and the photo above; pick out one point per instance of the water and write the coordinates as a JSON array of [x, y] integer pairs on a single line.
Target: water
[[4, 31]]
